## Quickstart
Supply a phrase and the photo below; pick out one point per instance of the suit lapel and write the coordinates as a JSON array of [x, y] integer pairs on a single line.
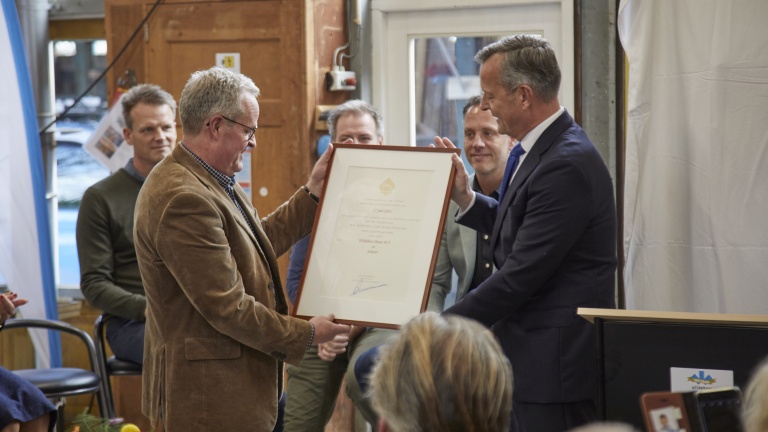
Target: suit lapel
[[242, 199], [467, 249], [260, 240], [468, 238], [545, 141]]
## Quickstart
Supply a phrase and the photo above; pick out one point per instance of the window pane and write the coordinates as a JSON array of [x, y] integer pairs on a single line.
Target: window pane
[[446, 75], [76, 65]]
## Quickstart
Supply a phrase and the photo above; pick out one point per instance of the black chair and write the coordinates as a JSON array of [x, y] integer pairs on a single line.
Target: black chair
[[111, 366], [60, 382]]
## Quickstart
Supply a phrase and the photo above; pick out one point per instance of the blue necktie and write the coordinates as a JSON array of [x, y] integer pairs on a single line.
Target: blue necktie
[[514, 159]]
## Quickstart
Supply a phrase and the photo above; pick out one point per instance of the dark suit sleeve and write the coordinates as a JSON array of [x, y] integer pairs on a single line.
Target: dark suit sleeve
[[552, 211], [481, 216]]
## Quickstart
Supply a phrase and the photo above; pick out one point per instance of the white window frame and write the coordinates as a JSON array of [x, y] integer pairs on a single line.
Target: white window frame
[[395, 23]]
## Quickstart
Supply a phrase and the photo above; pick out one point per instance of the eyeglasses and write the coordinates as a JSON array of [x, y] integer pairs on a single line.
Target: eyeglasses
[[252, 129]]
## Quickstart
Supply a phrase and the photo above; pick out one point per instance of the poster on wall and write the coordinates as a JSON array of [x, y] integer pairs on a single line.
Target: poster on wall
[[107, 143]]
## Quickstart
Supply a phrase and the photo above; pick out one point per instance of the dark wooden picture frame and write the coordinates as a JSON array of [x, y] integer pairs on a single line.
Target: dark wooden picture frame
[[376, 234]]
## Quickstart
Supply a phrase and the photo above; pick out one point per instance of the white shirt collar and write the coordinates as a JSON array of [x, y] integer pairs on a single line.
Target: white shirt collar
[[531, 137]]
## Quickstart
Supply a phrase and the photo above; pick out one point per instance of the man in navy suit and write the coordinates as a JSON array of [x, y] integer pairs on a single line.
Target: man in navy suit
[[553, 234]]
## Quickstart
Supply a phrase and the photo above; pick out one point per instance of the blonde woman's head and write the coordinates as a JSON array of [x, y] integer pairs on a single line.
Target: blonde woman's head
[[443, 373]]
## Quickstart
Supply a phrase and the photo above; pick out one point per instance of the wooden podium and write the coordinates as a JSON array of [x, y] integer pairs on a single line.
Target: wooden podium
[[636, 350]]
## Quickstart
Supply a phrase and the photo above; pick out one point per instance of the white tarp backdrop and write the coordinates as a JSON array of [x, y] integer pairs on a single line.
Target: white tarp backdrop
[[696, 192], [25, 247]]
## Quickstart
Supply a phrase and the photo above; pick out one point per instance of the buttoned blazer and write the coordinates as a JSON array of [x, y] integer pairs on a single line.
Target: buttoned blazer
[[554, 243], [216, 332]]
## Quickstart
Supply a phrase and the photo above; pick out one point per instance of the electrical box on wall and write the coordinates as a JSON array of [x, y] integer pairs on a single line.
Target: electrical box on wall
[[229, 61], [340, 80]]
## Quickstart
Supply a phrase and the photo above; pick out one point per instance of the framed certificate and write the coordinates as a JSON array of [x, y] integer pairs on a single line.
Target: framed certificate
[[377, 234]]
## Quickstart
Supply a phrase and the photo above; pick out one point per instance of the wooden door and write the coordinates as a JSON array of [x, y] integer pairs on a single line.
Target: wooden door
[[184, 37]]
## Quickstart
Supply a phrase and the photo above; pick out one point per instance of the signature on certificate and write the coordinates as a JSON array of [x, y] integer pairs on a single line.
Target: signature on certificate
[[363, 285]]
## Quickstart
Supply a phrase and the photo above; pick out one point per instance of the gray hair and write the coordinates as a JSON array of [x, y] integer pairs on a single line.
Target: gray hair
[[471, 103], [529, 60], [355, 107], [149, 94], [443, 373], [213, 91]]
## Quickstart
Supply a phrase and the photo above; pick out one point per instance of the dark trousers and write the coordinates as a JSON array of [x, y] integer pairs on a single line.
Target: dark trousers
[[561, 417], [126, 338]]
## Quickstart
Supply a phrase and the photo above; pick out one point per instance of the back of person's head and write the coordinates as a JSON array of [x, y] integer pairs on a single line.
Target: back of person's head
[[443, 373], [213, 91], [355, 107], [148, 94], [605, 427], [755, 415], [528, 59]]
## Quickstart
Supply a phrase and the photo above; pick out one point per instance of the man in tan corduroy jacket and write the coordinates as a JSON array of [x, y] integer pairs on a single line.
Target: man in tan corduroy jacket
[[217, 332]]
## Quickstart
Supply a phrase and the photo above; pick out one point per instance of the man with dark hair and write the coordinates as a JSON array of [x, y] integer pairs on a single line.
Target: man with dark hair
[[553, 234], [109, 273], [664, 425], [463, 249]]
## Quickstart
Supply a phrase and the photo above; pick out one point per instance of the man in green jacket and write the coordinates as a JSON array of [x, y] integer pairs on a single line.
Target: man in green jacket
[[109, 273]]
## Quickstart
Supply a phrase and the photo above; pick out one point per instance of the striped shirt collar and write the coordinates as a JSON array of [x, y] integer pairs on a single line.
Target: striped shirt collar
[[227, 183], [224, 180]]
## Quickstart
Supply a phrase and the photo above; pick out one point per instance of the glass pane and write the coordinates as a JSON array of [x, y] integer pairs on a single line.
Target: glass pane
[[76, 65], [446, 75]]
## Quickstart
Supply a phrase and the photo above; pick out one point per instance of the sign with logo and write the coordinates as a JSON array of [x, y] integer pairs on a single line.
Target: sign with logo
[[691, 379]]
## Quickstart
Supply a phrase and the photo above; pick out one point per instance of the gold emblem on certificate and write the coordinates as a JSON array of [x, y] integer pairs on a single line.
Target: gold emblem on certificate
[[387, 186]]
